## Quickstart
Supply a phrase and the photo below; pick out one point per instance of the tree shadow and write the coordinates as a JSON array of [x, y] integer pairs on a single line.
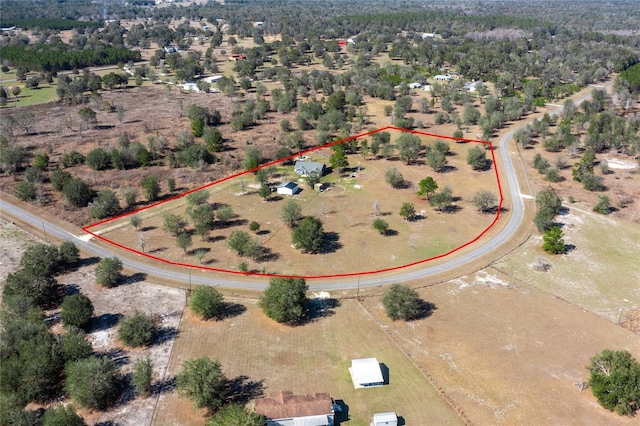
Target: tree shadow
[[241, 390], [117, 355], [104, 322], [448, 169], [401, 421], [342, 412], [148, 228], [330, 242], [231, 310], [163, 386], [425, 309], [87, 261], [263, 232], [569, 248], [157, 250], [231, 223], [216, 238], [134, 278], [319, 308], [454, 208], [165, 334], [267, 255], [390, 233]]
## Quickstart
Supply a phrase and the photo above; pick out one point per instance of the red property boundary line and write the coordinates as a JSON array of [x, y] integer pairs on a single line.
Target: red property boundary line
[[88, 228]]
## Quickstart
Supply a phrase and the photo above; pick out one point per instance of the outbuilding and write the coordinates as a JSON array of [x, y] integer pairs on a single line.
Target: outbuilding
[[385, 419], [286, 409], [288, 188], [366, 373]]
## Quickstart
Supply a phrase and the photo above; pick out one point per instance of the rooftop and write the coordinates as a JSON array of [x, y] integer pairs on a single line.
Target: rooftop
[[285, 404]]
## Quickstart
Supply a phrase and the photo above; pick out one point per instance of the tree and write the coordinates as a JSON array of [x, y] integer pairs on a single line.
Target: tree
[[548, 204], [252, 158], [25, 190], [409, 147], [94, 383], [394, 178], [108, 271], [339, 159], [484, 200], [62, 416], [75, 345], [254, 226], [173, 224], [142, 374], [236, 415], [615, 381], [381, 226], [106, 204], [244, 244], [68, 255], [98, 159], [88, 116], [402, 302], [592, 182], [603, 206], [291, 214], [77, 192], [151, 188], [76, 310], [138, 330], [552, 241], [213, 138], [427, 186], [437, 160], [135, 221], [285, 300], [184, 241], [477, 158], [308, 235], [207, 302], [202, 381], [442, 200], [407, 211]]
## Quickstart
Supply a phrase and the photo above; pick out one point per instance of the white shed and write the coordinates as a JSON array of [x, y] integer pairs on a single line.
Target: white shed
[[288, 188], [366, 373], [385, 419]]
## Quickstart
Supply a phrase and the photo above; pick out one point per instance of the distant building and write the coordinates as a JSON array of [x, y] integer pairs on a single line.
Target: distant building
[[414, 85], [305, 168], [366, 373], [442, 77], [385, 419], [237, 57], [288, 188], [286, 409]]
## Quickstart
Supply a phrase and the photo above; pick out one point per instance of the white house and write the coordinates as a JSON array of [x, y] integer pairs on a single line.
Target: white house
[[305, 168], [366, 373], [213, 79], [442, 77], [192, 87], [286, 409], [414, 85], [287, 188], [385, 419]]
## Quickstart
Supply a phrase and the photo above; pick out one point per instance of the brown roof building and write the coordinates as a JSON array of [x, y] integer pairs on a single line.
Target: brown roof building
[[286, 409]]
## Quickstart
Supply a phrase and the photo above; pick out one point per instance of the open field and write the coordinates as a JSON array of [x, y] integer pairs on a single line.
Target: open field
[[346, 209], [310, 358], [601, 274]]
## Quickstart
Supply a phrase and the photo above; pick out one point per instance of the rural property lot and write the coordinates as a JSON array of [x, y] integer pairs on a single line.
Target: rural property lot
[[346, 208]]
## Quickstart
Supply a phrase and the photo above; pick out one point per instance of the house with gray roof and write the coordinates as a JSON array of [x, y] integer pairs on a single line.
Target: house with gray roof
[[306, 168]]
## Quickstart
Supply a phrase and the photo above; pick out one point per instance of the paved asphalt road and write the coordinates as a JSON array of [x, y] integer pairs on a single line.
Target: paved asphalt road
[[179, 274]]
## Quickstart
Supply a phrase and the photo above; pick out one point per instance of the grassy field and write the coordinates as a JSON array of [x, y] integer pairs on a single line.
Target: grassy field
[[306, 359], [601, 274], [346, 209]]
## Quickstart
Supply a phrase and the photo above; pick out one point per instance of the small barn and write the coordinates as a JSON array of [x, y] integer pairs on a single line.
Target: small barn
[[286, 409], [366, 373], [306, 168], [385, 419], [288, 188]]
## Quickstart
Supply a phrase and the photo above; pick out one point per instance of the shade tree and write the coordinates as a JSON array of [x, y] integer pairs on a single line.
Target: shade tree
[[615, 381], [308, 235], [94, 383], [207, 302], [427, 186], [401, 302], [138, 330], [484, 200], [202, 381], [285, 300], [109, 271]]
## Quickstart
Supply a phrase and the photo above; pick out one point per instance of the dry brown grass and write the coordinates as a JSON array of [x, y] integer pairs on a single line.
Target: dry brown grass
[[305, 359]]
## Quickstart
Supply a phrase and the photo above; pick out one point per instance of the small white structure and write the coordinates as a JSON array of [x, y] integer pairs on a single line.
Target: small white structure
[[192, 87], [415, 85], [385, 419], [287, 188], [442, 77], [366, 373], [213, 79]]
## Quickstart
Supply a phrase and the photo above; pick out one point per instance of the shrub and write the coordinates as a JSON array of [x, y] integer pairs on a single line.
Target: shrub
[[62, 416], [381, 226], [25, 190], [402, 302], [108, 271], [603, 206], [207, 302], [142, 374], [94, 383], [138, 330], [98, 159], [76, 310], [77, 192]]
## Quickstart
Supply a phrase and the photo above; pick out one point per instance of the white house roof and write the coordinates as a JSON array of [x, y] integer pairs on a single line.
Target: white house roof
[[290, 185], [366, 370], [385, 417]]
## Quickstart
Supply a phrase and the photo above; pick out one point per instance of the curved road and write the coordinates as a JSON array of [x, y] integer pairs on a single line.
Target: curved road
[[179, 275]]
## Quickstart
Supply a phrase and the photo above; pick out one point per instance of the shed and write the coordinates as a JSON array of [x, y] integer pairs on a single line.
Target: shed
[[385, 419], [366, 373], [305, 168], [288, 188], [286, 409]]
